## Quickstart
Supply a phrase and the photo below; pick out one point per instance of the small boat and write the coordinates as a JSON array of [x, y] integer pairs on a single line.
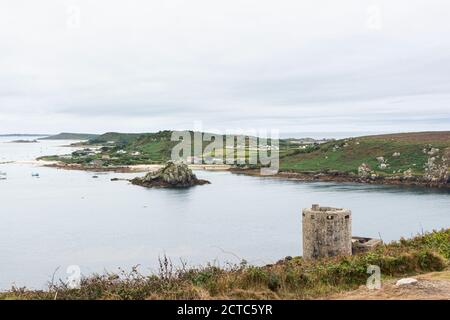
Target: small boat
[[36, 175], [3, 175]]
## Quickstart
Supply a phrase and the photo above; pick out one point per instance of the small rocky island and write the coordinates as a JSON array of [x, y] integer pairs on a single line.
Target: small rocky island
[[172, 175], [24, 141]]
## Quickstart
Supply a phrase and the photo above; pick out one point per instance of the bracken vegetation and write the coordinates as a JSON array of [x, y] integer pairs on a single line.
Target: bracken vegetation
[[291, 278]]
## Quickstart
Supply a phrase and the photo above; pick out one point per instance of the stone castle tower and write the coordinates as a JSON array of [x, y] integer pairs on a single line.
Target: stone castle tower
[[327, 232]]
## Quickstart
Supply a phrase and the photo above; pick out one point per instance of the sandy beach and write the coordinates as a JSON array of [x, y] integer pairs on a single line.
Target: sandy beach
[[131, 168]]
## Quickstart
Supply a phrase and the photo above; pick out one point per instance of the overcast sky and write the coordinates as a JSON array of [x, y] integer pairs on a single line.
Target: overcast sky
[[292, 65]]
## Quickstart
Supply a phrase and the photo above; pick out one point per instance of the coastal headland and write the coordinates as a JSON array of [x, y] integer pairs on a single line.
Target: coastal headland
[[417, 158]]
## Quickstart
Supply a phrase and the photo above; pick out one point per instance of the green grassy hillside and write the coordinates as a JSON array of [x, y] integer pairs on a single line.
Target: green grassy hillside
[[70, 136], [143, 148], [399, 152], [423, 156], [114, 137]]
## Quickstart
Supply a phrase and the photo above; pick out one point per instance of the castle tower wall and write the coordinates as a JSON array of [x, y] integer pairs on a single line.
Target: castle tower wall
[[327, 232]]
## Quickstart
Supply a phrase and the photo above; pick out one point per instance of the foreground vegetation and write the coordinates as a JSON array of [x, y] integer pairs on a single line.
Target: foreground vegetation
[[291, 278]]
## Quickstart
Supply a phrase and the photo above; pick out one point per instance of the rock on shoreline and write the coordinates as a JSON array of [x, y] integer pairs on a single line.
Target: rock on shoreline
[[172, 175], [335, 176]]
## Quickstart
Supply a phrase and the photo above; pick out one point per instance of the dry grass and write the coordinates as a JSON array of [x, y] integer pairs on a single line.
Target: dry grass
[[291, 278]]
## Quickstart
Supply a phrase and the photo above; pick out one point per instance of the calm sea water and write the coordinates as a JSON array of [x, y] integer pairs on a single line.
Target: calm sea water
[[69, 218]]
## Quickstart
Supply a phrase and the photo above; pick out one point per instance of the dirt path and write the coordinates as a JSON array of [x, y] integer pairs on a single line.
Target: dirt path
[[430, 286]]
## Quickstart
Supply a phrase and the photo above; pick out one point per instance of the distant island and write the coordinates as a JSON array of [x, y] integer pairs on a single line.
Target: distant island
[[70, 136], [418, 158], [23, 135], [25, 141]]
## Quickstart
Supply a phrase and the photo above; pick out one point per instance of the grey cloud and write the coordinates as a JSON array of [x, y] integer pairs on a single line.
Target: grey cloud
[[141, 66]]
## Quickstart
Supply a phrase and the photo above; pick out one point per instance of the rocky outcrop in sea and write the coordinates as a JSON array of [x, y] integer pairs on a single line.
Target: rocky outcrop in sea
[[172, 175]]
